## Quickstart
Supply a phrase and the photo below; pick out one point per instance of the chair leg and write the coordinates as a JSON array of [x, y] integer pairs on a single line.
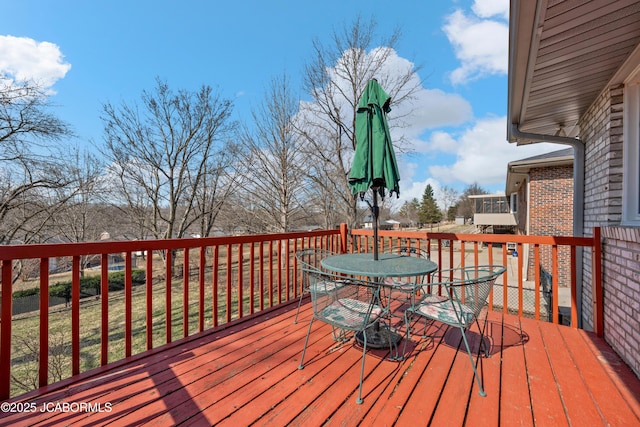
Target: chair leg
[[304, 349], [364, 352], [339, 335], [295, 320], [482, 343], [473, 365], [407, 323]]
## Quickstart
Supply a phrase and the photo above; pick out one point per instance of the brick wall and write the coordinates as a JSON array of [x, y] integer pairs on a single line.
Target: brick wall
[[621, 283], [551, 214], [602, 131]]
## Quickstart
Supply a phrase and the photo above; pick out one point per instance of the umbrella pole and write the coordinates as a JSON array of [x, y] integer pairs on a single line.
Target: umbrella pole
[[374, 212]]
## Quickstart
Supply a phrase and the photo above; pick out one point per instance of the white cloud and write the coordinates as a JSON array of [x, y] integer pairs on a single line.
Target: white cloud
[[23, 59], [482, 155], [480, 44], [489, 8]]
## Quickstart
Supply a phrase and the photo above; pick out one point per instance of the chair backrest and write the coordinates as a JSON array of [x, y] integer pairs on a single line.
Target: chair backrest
[[413, 251], [310, 258], [342, 301], [417, 253], [469, 287]]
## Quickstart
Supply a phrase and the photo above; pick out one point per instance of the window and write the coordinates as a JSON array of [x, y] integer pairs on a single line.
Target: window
[[631, 158], [514, 203]]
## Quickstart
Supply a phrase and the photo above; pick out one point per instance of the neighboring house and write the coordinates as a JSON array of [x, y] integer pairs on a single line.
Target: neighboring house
[[540, 190], [574, 79], [492, 213]]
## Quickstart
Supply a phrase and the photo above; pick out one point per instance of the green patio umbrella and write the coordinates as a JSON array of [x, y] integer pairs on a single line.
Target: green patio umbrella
[[374, 163]]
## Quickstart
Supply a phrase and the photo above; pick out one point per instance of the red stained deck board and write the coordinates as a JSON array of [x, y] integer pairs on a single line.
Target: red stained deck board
[[251, 403], [455, 395], [515, 403], [627, 383], [391, 403], [600, 385], [576, 398], [484, 411], [546, 402], [251, 379], [199, 375], [424, 399]]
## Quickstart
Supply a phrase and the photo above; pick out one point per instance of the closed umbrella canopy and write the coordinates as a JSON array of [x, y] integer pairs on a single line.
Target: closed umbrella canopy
[[374, 163]]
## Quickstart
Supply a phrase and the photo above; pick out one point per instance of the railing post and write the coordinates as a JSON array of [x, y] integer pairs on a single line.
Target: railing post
[[344, 230], [597, 294]]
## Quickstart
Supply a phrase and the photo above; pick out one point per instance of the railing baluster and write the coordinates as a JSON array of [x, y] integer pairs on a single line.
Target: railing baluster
[[240, 280], [287, 270], [270, 273], [280, 263], [128, 316], [520, 281], [201, 270], [252, 277], [185, 293], [43, 372], [149, 297], [261, 274], [505, 280], [574, 286], [215, 277], [554, 291], [75, 315], [104, 296], [228, 281], [167, 295], [536, 268]]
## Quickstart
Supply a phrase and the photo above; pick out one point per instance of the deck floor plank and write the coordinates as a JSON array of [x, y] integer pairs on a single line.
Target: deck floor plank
[[576, 398], [515, 403], [426, 394], [392, 402], [485, 411], [270, 363], [546, 400], [247, 373], [600, 386], [624, 379]]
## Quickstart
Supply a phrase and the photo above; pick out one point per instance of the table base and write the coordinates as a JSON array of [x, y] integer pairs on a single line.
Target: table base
[[378, 337]]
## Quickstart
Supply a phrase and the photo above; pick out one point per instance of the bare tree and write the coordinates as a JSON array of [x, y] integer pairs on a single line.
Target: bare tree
[[164, 157], [275, 180], [31, 170], [335, 79], [448, 196]]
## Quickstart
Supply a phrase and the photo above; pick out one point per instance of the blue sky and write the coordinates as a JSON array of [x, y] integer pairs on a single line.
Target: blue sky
[[93, 52]]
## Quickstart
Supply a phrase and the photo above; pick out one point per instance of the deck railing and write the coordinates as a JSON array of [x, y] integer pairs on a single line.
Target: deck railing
[[558, 255], [192, 285]]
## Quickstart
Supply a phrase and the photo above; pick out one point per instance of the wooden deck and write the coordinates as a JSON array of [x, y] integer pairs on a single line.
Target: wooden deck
[[247, 374]]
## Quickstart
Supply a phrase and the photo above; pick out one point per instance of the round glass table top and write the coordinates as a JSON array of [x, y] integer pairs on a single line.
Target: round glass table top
[[387, 265]]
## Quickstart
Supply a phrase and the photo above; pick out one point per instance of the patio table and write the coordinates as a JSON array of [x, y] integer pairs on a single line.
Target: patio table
[[387, 265]]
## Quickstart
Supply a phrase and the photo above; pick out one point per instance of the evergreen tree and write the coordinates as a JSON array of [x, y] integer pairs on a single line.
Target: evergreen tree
[[429, 211]]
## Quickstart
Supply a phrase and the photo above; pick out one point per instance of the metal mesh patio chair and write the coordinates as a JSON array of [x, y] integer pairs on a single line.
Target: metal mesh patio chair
[[354, 305], [309, 259], [409, 286], [463, 294]]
